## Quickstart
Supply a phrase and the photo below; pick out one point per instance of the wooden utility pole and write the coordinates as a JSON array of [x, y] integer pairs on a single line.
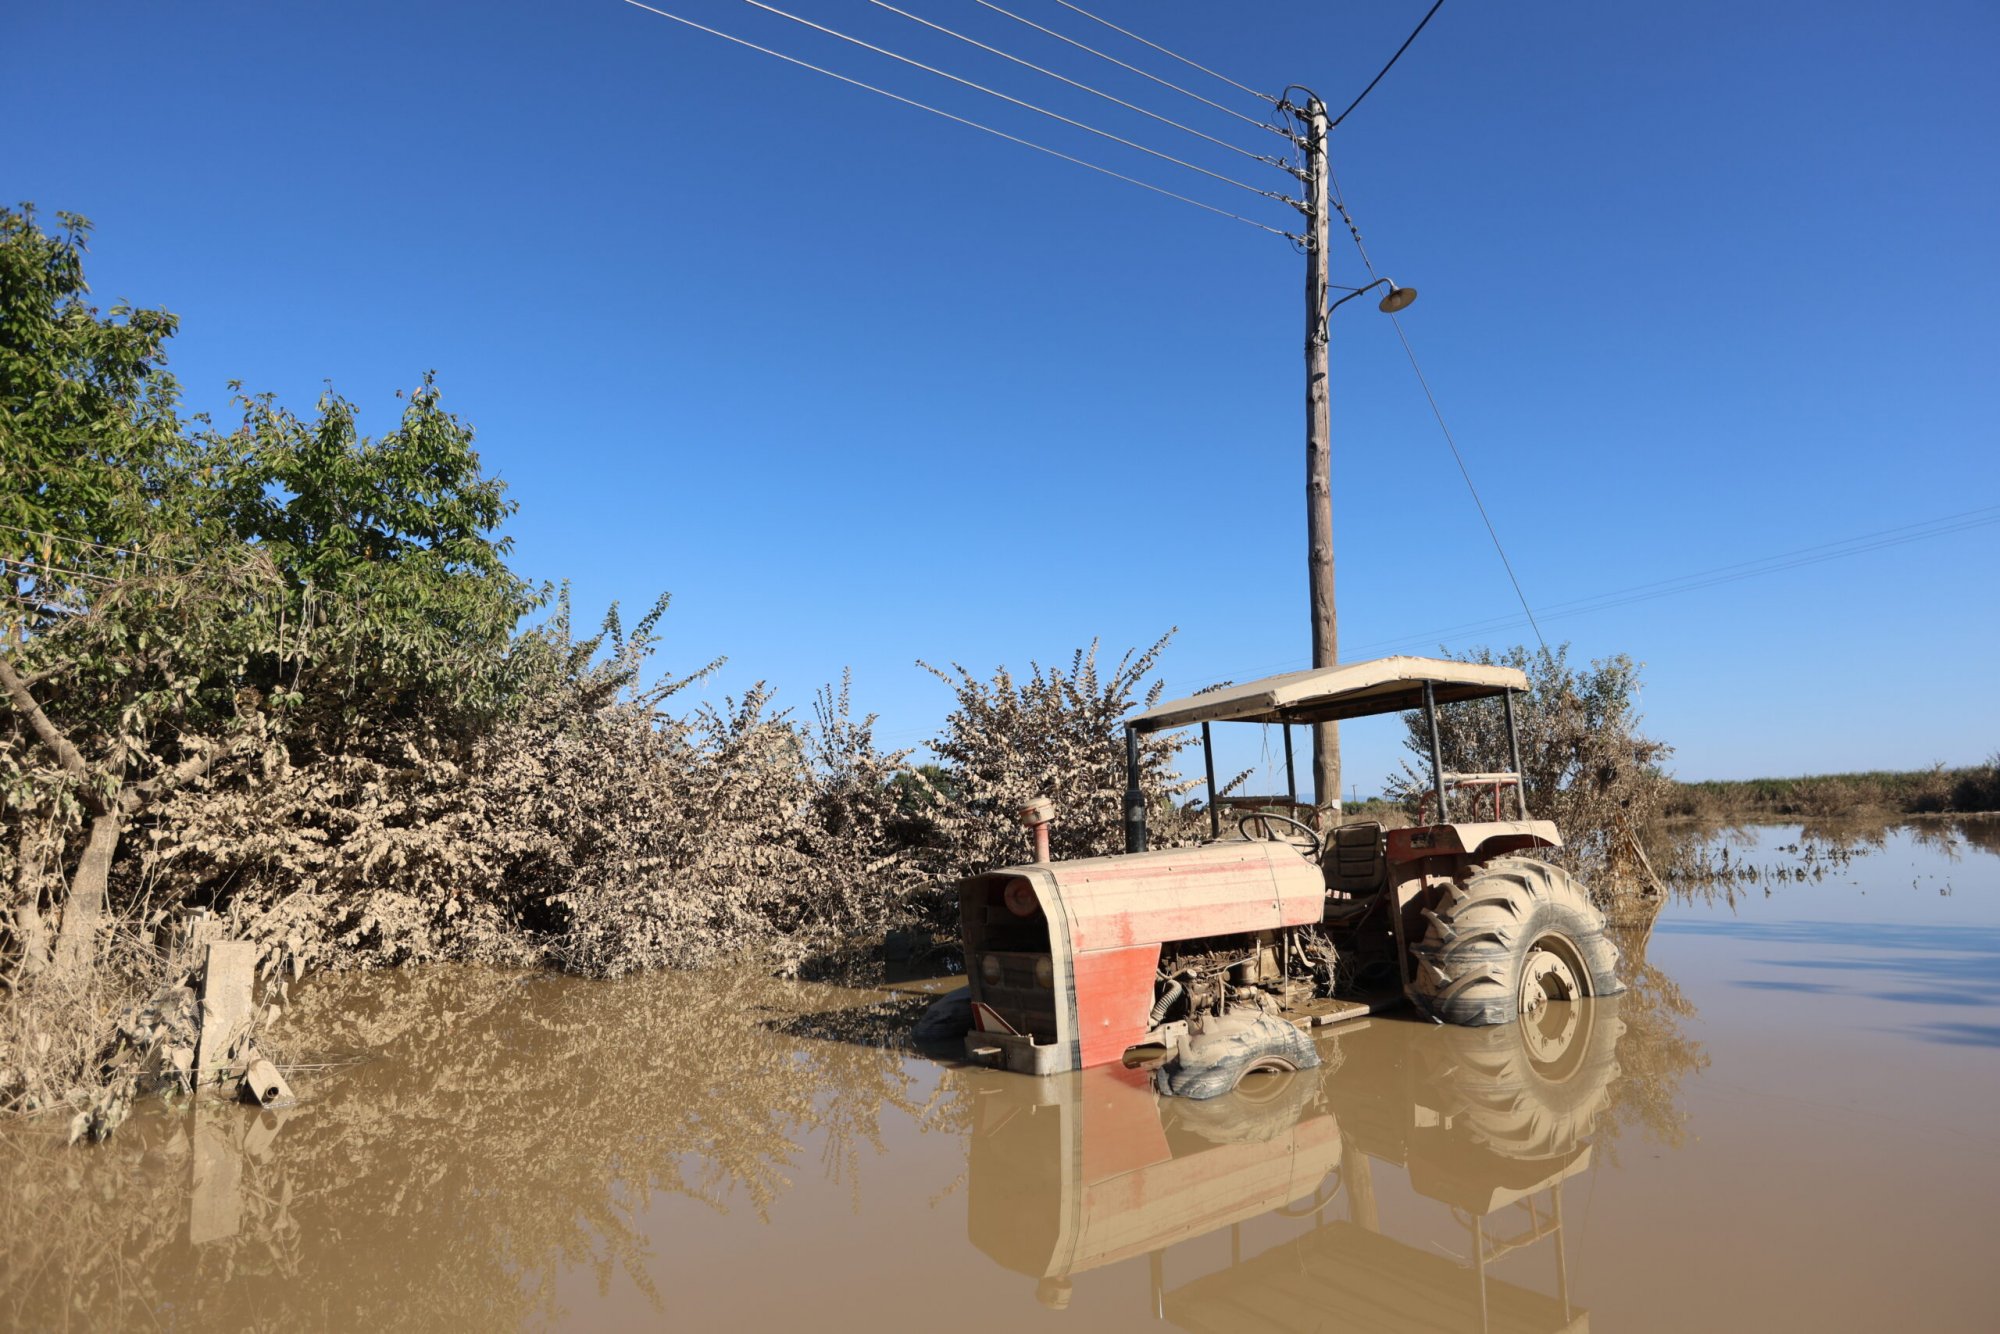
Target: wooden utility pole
[[1319, 456]]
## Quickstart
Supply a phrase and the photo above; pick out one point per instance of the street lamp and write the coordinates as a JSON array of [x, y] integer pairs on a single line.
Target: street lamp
[[1397, 298]]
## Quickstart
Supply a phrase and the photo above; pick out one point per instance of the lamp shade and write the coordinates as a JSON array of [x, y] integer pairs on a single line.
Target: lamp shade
[[1399, 298]]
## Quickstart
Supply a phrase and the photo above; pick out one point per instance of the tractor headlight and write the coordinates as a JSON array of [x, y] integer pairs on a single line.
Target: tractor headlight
[[1020, 898], [989, 968], [1045, 972]]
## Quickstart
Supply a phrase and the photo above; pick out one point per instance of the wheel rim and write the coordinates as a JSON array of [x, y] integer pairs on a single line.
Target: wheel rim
[[1549, 979]]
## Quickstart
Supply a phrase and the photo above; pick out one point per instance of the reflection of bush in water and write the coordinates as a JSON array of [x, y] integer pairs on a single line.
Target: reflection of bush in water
[[1712, 863], [1655, 1054], [1950, 837], [512, 1128], [1715, 863]]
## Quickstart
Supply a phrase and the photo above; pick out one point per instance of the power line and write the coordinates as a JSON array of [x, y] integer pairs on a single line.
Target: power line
[[37, 605], [1815, 555], [1028, 106], [1340, 207], [53, 573], [1386, 68], [1144, 74], [1163, 51], [1098, 92], [86, 542], [935, 111], [1467, 475], [1695, 581], [1463, 471]]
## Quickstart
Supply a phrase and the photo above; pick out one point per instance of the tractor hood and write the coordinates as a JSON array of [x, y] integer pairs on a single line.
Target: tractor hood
[[1061, 957], [1146, 898]]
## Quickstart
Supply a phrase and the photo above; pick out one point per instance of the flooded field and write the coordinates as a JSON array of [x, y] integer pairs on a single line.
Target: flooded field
[[1786, 1124]]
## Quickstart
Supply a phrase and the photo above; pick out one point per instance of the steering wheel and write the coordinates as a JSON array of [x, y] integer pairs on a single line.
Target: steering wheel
[[1264, 819]]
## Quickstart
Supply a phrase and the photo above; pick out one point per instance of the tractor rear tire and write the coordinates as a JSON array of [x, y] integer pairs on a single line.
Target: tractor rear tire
[[1512, 935], [1214, 1061]]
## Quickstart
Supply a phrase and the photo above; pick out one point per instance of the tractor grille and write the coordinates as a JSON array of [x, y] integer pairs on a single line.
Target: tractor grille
[[1021, 1001]]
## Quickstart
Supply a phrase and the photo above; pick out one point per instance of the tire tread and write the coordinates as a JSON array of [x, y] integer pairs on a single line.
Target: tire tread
[[1477, 940]]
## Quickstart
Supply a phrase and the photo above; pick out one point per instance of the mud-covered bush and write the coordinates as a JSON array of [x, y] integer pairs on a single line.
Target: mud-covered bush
[[594, 827], [84, 1042], [279, 671], [1058, 734], [674, 840], [1587, 765]]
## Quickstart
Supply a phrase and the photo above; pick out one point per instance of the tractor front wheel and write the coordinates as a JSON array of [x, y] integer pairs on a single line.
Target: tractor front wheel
[[1216, 1060], [1511, 937]]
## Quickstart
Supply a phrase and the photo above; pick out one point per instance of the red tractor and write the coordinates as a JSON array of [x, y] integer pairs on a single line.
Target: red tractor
[[1205, 963]]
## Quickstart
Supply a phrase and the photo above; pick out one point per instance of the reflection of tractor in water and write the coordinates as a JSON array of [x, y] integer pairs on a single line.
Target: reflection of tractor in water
[[1206, 963], [1076, 1173]]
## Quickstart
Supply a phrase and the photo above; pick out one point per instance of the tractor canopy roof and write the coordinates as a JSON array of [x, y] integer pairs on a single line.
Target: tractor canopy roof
[[1327, 694]]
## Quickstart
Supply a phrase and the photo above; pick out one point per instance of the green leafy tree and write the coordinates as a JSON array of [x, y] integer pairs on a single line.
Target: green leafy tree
[[102, 580], [177, 603], [88, 418], [397, 579]]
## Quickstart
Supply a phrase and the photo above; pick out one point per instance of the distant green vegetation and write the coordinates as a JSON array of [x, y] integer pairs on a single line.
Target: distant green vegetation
[[1919, 792]]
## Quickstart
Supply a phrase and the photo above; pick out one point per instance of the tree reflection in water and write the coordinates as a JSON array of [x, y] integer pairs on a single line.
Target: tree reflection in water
[[1656, 1053], [503, 1131], [1951, 837]]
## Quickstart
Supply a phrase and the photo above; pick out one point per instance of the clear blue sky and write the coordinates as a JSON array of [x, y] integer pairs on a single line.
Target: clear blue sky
[[1701, 284]]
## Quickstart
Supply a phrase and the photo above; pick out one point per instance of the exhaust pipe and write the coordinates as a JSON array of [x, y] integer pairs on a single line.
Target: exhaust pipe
[[1037, 815]]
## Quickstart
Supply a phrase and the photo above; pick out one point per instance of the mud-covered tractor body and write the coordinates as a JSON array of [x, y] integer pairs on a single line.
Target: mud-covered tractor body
[[1077, 964], [1074, 976]]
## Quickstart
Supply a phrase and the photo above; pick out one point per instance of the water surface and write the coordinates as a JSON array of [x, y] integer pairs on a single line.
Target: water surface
[[1786, 1124]]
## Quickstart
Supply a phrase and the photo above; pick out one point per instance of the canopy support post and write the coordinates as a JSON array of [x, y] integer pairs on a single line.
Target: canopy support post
[[1135, 798], [1514, 747], [1437, 750], [1291, 774], [1208, 762]]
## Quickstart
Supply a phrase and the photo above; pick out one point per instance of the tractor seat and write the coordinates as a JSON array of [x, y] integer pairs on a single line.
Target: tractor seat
[[1355, 862]]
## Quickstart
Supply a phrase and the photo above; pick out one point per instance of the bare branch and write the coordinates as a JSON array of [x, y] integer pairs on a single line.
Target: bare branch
[[137, 795], [53, 670], [66, 754]]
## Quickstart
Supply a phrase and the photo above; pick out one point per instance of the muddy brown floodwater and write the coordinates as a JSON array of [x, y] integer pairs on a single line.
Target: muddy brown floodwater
[[1787, 1124]]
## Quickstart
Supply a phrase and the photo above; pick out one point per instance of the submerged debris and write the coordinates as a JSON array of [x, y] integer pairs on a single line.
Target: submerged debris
[[263, 1085]]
